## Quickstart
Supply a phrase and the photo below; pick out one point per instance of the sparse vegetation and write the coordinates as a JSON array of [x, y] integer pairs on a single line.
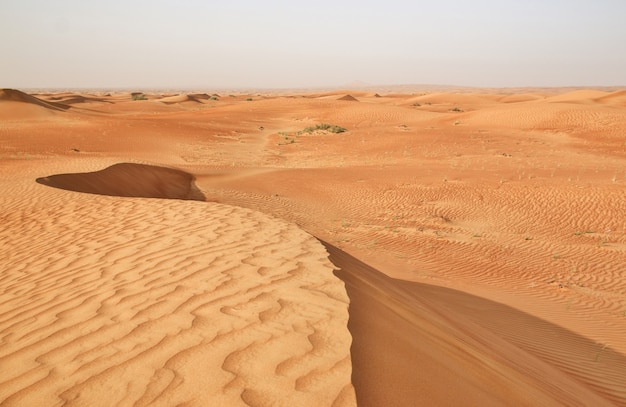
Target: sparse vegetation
[[331, 128], [249, 100], [290, 138], [456, 109], [139, 96]]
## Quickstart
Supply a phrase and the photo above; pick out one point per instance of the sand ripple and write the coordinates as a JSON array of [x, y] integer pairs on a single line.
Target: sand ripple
[[130, 301]]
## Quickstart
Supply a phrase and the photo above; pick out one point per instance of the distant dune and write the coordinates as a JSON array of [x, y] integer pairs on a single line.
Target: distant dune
[[618, 97], [12, 95], [17, 105], [177, 99], [348, 98]]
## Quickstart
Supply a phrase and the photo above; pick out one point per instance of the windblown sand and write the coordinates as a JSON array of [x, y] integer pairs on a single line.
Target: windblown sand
[[202, 249]]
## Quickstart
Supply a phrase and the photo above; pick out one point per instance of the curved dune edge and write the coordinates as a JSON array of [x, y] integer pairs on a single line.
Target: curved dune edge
[[412, 341], [113, 301], [15, 95], [130, 180], [18, 106]]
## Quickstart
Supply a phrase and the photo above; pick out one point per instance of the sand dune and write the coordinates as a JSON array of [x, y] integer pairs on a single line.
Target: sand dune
[[416, 328], [618, 98], [131, 301], [72, 99], [17, 105], [201, 96], [454, 99], [18, 96], [572, 118], [348, 98], [578, 96], [334, 94], [517, 98], [178, 99], [478, 252]]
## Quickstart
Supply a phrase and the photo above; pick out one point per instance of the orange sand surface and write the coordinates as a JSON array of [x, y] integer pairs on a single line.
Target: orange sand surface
[[447, 248]]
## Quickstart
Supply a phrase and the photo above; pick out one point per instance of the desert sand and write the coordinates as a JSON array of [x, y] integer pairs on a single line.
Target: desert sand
[[449, 247]]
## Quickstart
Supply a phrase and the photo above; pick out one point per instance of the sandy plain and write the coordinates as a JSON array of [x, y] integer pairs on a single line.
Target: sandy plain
[[449, 248]]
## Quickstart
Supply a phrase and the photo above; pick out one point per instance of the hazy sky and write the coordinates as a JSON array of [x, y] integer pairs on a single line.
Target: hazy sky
[[220, 44]]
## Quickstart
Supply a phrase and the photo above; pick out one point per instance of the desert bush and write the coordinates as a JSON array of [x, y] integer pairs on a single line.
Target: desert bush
[[331, 128], [139, 96]]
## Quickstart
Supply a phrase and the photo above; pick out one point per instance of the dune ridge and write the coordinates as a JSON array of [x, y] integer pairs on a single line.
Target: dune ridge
[[16, 105], [348, 98], [178, 99], [19, 96]]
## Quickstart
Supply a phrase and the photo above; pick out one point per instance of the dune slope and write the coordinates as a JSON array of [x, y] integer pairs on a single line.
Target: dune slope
[[15, 95], [133, 301], [412, 340]]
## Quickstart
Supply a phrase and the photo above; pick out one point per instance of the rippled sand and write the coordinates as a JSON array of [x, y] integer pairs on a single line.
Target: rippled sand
[[471, 248]]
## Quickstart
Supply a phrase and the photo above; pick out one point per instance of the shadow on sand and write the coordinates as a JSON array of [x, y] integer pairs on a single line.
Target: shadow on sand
[[419, 342], [130, 180]]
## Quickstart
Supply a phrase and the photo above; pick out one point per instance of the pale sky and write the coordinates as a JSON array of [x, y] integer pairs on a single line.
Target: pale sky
[[286, 44]]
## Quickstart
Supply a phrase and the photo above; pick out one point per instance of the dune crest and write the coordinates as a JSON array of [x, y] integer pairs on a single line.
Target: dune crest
[[19, 96], [178, 99], [16, 105], [348, 98]]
